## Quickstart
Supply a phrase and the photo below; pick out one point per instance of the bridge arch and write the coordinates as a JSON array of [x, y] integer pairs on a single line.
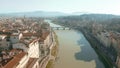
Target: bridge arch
[[61, 28]]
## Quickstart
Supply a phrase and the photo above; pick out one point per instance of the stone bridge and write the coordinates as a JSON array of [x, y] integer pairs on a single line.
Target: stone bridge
[[61, 28]]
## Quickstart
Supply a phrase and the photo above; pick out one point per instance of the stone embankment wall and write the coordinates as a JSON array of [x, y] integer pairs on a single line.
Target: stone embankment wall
[[43, 62]]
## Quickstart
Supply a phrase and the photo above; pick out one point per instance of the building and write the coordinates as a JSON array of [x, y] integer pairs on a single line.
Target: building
[[4, 43]]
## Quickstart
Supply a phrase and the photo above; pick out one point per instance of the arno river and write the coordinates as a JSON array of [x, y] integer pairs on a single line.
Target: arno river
[[75, 51]]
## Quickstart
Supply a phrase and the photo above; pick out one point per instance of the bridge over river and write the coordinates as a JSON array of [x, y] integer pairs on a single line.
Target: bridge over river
[[74, 50], [63, 28]]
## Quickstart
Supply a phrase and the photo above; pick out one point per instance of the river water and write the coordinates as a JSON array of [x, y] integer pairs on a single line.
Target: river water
[[75, 51]]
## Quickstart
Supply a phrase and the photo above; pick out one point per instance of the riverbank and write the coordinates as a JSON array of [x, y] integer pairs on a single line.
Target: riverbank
[[96, 45], [75, 51], [54, 52]]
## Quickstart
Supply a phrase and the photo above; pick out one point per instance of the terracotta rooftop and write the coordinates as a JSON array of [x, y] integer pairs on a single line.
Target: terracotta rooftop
[[31, 62], [32, 41], [6, 30], [15, 61], [41, 40], [22, 29], [44, 35], [31, 34], [15, 50], [27, 34]]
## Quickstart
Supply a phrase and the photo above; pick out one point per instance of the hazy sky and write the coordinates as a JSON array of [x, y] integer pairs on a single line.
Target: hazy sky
[[68, 6]]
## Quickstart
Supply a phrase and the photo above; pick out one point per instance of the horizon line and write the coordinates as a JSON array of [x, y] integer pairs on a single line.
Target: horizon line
[[84, 12]]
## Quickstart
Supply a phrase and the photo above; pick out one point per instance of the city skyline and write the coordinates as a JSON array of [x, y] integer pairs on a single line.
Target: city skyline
[[66, 6]]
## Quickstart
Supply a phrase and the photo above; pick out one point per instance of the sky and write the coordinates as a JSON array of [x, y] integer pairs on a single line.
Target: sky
[[66, 6]]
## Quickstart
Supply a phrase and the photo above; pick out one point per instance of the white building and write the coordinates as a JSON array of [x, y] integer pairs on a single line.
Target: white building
[[34, 50]]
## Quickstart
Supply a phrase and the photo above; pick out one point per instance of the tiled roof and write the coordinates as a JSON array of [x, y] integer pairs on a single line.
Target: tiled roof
[[30, 34], [31, 62], [27, 34], [15, 61], [44, 35]]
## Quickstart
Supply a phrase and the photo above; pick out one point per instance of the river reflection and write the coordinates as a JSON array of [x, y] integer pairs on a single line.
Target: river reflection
[[87, 54], [75, 51]]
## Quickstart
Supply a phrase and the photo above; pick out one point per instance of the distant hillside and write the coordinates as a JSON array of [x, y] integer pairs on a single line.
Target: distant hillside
[[36, 14], [108, 21], [89, 17], [80, 13]]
